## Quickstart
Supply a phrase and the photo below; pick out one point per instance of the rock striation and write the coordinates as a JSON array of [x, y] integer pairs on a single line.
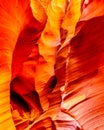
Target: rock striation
[[51, 65]]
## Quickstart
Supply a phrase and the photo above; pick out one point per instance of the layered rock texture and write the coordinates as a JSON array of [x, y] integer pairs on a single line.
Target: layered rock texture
[[51, 64]]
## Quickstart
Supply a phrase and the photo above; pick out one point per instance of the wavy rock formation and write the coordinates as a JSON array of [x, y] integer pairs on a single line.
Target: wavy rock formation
[[51, 65]]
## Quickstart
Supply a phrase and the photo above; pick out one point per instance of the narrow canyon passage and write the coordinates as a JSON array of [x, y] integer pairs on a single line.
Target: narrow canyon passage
[[51, 65]]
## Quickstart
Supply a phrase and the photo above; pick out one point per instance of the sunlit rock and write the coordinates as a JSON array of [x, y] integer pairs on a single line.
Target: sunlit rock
[[51, 65]]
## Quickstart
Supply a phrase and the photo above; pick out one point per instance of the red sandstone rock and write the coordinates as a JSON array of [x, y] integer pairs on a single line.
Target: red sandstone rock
[[51, 65]]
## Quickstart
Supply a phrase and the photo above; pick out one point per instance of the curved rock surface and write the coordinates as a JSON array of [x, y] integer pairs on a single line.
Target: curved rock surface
[[51, 65]]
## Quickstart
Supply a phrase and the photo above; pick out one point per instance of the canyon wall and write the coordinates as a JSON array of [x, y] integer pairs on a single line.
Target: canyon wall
[[51, 65]]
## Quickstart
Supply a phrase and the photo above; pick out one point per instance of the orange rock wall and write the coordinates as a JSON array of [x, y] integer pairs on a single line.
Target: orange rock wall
[[51, 65]]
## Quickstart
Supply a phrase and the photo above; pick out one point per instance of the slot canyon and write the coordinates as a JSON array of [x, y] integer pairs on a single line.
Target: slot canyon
[[51, 65]]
